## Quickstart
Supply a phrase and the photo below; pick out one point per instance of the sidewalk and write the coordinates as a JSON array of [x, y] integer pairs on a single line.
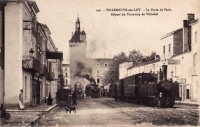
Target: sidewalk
[[28, 116], [187, 103]]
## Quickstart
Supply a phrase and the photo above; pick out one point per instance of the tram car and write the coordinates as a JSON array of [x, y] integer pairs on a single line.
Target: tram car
[[110, 90], [78, 88], [114, 91], [144, 88], [92, 90]]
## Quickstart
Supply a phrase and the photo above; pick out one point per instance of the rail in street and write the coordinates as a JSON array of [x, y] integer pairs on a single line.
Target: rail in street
[[108, 112]]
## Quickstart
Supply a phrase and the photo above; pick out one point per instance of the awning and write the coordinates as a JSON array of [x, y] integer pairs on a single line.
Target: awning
[[54, 55]]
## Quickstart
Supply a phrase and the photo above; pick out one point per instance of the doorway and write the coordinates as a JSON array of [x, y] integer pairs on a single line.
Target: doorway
[[187, 94]]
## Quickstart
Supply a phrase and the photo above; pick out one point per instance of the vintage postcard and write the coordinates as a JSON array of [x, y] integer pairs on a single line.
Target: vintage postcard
[[71, 63]]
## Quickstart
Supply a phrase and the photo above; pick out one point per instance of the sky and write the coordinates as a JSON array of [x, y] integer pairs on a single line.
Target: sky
[[110, 32]]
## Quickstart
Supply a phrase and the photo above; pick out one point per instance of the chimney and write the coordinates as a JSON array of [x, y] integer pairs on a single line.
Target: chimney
[[190, 17], [187, 33], [185, 23]]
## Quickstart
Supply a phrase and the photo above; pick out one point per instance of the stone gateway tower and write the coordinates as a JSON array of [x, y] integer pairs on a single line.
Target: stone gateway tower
[[78, 62]]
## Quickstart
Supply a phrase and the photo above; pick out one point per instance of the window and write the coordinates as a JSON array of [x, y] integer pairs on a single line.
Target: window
[[98, 71], [195, 60], [65, 74], [105, 64], [98, 64], [195, 36], [66, 81], [164, 49], [98, 80], [169, 47], [187, 93]]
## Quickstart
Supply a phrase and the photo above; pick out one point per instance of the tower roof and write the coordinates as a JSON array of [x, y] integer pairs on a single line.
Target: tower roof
[[78, 21], [83, 32], [76, 37]]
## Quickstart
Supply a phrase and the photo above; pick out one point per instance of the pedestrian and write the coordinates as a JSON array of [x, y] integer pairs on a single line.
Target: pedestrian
[[57, 98], [21, 104], [87, 96], [74, 98], [160, 100], [49, 100]]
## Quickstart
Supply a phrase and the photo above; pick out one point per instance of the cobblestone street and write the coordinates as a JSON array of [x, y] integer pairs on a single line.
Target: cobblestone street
[[108, 112]]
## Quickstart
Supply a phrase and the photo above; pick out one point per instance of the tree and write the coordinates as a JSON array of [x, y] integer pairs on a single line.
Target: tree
[[151, 57], [135, 57], [112, 76]]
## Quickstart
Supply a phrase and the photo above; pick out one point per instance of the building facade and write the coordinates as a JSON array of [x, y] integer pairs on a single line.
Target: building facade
[[153, 66], [181, 55], [54, 67], [25, 45], [66, 76], [99, 67]]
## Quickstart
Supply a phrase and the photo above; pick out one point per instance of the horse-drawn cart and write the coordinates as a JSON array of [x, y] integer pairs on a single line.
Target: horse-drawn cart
[[63, 97]]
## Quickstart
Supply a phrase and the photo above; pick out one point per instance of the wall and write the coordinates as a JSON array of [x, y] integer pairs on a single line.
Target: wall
[[65, 69], [145, 68], [13, 52], [182, 73], [53, 88], [27, 91], [123, 69], [165, 42], [77, 54], [178, 42], [195, 47], [99, 69]]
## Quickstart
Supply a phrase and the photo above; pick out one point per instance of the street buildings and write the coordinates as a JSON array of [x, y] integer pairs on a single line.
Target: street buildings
[[179, 61], [100, 66], [25, 43]]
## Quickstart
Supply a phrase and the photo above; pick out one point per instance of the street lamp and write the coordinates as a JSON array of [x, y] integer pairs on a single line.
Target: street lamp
[[31, 52]]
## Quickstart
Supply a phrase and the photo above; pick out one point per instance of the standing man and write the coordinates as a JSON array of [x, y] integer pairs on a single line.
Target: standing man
[[21, 104], [74, 98]]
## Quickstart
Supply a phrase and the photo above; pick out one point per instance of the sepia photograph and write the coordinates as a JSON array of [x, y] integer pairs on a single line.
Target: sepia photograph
[[99, 63]]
